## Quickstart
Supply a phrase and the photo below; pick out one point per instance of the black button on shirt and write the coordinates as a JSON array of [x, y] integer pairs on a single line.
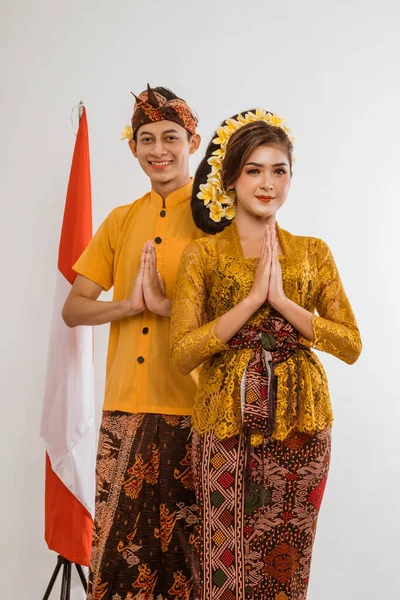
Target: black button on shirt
[[158, 240], [163, 213], [145, 330], [140, 359]]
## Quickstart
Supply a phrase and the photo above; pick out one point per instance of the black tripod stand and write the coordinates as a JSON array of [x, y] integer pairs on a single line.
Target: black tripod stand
[[66, 578]]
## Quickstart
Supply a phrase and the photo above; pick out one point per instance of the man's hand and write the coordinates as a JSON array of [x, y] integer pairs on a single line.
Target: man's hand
[[153, 284], [136, 299]]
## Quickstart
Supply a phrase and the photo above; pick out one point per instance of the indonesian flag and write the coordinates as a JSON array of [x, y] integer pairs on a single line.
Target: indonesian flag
[[68, 419]]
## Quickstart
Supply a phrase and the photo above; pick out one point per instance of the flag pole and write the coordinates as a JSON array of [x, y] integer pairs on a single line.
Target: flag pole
[[61, 560]]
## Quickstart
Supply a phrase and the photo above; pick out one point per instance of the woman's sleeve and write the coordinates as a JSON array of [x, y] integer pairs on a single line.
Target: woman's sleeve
[[335, 327], [193, 340]]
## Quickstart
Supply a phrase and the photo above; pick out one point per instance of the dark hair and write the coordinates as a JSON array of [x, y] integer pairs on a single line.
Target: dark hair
[[168, 95], [241, 144]]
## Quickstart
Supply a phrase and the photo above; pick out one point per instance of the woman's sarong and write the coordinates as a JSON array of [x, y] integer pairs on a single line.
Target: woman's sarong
[[257, 535]]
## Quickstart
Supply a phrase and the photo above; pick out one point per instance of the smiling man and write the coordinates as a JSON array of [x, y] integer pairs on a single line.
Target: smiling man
[[145, 501]]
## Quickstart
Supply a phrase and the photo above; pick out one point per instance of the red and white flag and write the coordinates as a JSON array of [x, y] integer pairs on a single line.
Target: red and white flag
[[68, 419]]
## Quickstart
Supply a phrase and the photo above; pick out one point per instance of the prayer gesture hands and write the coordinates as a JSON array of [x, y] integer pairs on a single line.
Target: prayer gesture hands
[[276, 295], [267, 285], [153, 284], [149, 288]]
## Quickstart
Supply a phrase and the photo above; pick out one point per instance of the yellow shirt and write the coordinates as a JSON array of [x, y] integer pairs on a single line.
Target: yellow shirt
[[213, 277], [140, 376]]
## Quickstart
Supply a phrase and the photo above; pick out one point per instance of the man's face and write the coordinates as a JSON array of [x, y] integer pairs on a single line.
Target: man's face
[[163, 150]]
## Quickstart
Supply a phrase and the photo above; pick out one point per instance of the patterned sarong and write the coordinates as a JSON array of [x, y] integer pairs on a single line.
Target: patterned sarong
[[143, 542], [258, 545]]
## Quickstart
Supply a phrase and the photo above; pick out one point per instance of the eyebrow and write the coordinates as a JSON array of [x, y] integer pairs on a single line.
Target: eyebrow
[[254, 164], [166, 131]]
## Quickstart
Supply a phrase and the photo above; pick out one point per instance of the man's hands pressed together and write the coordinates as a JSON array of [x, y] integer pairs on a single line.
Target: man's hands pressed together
[[149, 289]]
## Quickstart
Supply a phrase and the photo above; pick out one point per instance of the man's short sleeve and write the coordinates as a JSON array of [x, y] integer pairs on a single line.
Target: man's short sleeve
[[97, 261]]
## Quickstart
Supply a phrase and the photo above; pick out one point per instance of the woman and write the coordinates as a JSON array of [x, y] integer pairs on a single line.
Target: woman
[[245, 307]]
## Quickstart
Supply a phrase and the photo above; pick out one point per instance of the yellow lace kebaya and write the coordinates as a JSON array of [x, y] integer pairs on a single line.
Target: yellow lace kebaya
[[212, 278]]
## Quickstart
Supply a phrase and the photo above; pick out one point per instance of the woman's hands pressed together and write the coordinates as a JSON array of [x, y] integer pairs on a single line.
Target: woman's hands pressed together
[[260, 288], [267, 285], [276, 295]]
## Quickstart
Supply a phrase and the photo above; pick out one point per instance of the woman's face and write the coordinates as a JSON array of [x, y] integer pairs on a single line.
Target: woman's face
[[264, 182]]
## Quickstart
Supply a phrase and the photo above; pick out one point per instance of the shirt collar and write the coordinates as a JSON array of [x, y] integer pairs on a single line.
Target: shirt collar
[[177, 197]]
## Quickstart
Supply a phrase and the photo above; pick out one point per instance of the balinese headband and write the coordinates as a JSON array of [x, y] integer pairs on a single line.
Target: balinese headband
[[151, 107], [220, 202]]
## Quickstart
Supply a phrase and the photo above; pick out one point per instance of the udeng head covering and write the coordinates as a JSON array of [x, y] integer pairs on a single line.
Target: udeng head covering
[[150, 107]]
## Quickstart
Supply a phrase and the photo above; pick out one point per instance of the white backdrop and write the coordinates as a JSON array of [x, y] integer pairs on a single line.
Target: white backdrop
[[331, 69]]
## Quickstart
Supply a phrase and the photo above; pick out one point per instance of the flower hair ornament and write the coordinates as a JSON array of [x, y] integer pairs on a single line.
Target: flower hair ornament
[[220, 202], [151, 107]]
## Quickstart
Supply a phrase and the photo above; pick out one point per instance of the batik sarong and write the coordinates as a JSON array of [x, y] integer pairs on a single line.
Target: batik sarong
[[143, 543]]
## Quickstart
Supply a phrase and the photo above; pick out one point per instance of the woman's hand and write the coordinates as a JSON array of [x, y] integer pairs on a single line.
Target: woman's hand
[[153, 284], [276, 295], [260, 289]]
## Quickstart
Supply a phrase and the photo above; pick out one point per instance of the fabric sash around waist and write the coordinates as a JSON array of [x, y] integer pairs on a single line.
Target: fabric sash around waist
[[273, 341]]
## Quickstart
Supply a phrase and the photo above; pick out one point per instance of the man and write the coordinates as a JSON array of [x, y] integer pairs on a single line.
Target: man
[[145, 503]]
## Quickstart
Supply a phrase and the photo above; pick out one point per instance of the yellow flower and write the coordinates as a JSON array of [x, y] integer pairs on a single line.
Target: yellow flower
[[127, 133], [228, 198], [217, 211], [230, 211], [216, 163], [260, 112], [215, 181], [225, 132], [207, 193], [274, 120], [261, 115], [219, 152], [222, 137], [257, 116], [231, 126]]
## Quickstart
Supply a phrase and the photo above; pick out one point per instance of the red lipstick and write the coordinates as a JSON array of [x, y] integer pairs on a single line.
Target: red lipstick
[[265, 199]]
